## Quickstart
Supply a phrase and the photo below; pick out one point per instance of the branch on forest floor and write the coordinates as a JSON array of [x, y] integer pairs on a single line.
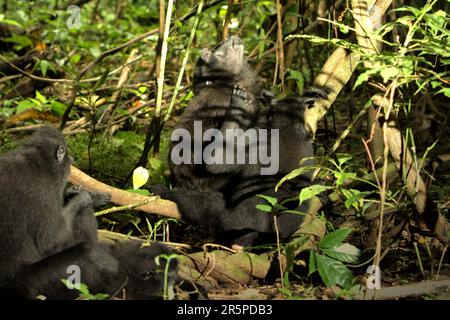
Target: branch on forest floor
[[155, 205], [414, 289]]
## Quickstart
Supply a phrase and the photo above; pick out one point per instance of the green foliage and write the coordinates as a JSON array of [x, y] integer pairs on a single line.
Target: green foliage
[[329, 258], [84, 291], [312, 191], [41, 103], [168, 292], [159, 226]]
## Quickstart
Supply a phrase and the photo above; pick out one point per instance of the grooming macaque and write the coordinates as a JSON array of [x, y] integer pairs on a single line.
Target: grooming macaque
[[222, 197]]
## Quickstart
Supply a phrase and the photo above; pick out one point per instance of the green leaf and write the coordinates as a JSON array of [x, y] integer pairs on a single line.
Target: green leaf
[[261, 43], [24, 105], [43, 65], [298, 77], [20, 40], [312, 191], [155, 164], [37, 103], [389, 73], [84, 290], [95, 51], [344, 29], [58, 107], [335, 238], [75, 58], [264, 207], [40, 97], [273, 201], [344, 253], [343, 158], [292, 175], [142, 89], [445, 91], [8, 21], [435, 84], [99, 296], [341, 177], [364, 77], [354, 197], [312, 265], [333, 272]]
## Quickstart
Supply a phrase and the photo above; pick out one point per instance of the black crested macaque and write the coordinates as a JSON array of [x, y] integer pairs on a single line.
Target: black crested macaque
[[146, 276], [47, 233], [125, 270], [35, 220], [231, 217], [226, 96]]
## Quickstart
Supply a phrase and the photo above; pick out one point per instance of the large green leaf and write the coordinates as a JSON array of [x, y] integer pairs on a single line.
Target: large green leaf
[[25, 105], [335, 238], [291, 175], [343, 158], [341, 177], [312, 263], [312, 191], [344, 252], [264, 207], [272, 200], [354, 197], [333, 272], [58, 107]]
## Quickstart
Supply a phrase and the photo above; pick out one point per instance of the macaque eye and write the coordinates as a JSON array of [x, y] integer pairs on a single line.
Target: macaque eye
[[147, 275], [60, 153]]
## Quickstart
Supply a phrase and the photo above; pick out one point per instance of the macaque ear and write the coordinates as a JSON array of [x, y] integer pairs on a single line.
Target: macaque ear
[[206, 55]]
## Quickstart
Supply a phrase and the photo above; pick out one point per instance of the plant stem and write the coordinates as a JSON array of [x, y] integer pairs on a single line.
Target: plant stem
[[185, 59]]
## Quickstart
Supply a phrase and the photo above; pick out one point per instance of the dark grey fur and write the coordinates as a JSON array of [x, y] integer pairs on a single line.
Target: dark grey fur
[[230, 215], [221, 76], [45, 229]]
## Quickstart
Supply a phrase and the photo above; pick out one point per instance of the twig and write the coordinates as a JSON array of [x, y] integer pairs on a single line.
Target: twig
[[125, 65], [185, 59], [226, 22], [280, 49], [419, 259], [122, 208], [383, 189], [156, 121], [280, 264], [442, 259], [32, 76]]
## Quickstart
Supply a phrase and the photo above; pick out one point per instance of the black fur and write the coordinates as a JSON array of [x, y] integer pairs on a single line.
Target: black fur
[[35, 222], [125, 270], [221, 77], [221, 198], [231, 216], [44, 229]]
